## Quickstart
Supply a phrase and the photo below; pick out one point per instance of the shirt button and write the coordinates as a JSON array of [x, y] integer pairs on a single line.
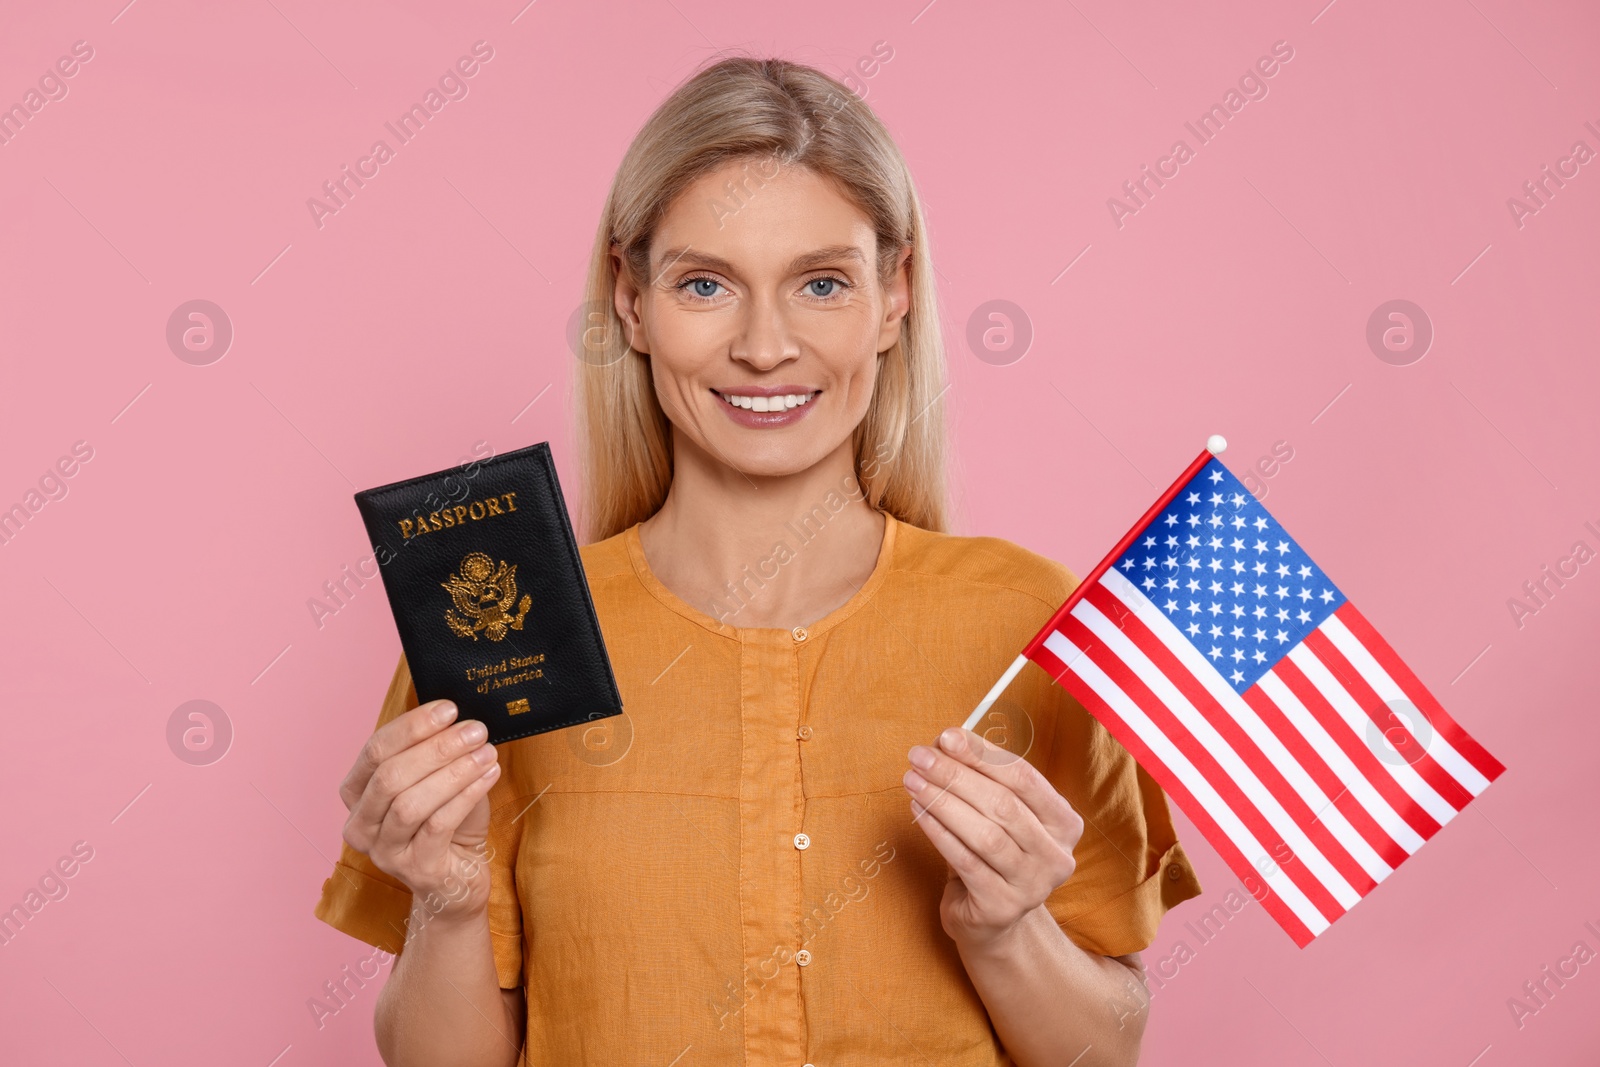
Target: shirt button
[[1174, 872], [803, 957], [799, 633], [801, 841], [805, 733]]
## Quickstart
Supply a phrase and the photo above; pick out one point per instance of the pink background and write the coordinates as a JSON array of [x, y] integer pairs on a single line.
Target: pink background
[[431, 311]]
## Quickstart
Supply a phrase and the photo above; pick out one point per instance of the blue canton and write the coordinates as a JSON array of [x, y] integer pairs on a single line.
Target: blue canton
[[1229, 577]]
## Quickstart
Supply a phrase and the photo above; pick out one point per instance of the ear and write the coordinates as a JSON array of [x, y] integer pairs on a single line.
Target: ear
[[627, 300], [897, 302]]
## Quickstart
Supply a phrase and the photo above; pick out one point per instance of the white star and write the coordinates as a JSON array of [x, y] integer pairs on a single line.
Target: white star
[[1215, 608], [1237, 566], [1304, 616], [1258, 568], [1261, 524], [1238, 522], [1193, 585], [1282, 571], [1237, 544], [1282, 615], [1260, 590], [1236, 677], [1214, 521], [1194, 498], [1238, 657], [1283, 546], [1216, 476], [1192, 629], [1216, 498], [1216, 587], [1215, 542], [1170, 583], [1260, 612], [1215, 652], [1238, 631], [1148, 583], [1261, 546], [1327, 597], [1260, 635], [1215, 631], [1236, 611], [1192, 519], [1127, 564], [1236, 588], [1281, 593], [1170, 519], [1193, 607], [1193, 541], [1215, 565], [1304, 593], [1305, 572], [1281, 636], [1259, 656], [1171, 605]]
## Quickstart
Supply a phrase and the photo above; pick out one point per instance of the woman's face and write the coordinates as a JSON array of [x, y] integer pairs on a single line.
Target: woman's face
[[763, 316]]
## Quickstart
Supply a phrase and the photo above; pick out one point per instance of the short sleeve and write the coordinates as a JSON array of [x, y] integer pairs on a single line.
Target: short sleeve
[[1131, 867], [375, 907]]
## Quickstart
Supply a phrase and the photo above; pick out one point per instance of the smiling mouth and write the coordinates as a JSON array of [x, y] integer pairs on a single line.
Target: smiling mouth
[[782, 402]]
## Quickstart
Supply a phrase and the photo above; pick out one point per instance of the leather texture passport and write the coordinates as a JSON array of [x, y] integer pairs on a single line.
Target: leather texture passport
[[488, 593]]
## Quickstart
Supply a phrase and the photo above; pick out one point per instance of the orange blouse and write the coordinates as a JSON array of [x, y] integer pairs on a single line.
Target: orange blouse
[[730, 868]]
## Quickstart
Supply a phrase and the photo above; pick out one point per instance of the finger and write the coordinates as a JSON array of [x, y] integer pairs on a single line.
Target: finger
[[405, 769], [986, 838], [978, 876], [397, 735], [990, 797], [418, 803], [1023, 779], [438, 828]]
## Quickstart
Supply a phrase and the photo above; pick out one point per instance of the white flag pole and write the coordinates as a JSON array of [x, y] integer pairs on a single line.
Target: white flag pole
[[994, 694], [1215, 445]]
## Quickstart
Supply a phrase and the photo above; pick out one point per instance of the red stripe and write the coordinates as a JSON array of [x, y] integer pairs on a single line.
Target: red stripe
[[1418, 693], [1277, 849], [1355, 812], [1442, 781], [1121, 546], [1173, 786], [1224, 723], [1355, 748]]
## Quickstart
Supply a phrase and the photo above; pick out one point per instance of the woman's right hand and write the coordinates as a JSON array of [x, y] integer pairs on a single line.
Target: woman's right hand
[[418, 796]]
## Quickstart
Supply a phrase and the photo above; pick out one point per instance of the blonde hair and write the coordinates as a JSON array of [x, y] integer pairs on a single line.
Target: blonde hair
[[738, 109]]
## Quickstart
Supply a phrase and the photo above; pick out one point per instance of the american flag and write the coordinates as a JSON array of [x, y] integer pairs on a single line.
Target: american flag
[[1269, 709]]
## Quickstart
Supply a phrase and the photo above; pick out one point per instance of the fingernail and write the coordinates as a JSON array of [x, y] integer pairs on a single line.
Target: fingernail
[[444, 713], [473, 732], [922, 757], [914, 781], [484, 754], [951, 740]]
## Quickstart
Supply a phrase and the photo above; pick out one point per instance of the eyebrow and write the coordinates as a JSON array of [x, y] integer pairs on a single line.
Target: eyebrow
[[688, 254]]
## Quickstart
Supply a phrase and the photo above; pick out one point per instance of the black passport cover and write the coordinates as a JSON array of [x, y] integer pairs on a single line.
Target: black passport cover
[[488, 593]]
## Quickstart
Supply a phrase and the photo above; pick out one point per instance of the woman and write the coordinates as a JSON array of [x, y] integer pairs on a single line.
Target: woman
[[784, 853]]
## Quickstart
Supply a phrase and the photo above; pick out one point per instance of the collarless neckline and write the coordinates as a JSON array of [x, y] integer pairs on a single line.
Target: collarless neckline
[[647, 577]]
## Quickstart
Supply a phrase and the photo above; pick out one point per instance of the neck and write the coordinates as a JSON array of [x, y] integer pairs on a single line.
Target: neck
[[762, 551]]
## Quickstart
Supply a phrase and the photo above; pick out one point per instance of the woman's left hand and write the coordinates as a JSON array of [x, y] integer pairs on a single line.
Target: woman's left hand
[[1004, 830]]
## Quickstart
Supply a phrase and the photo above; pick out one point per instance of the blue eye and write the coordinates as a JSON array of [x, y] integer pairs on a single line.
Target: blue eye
[[698, 282], [824, 281]]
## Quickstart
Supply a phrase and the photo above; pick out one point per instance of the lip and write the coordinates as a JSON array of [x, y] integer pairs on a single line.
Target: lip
[[767, 420], [766, 390]]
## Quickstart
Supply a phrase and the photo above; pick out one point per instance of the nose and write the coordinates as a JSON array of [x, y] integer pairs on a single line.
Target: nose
[[765, 339]]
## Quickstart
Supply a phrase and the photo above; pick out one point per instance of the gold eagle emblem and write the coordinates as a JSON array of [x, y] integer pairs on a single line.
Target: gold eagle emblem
[[484, 596]]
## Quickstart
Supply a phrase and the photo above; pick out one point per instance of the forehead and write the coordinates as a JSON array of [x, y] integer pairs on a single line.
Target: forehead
[[760, 214]]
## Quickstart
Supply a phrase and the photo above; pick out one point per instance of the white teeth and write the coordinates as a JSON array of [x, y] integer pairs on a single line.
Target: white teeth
[[768, 403]]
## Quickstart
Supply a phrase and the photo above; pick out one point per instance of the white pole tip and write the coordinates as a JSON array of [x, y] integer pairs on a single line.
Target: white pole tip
[[1215, 444]]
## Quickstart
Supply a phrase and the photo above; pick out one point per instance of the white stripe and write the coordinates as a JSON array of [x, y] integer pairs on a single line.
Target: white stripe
[[1231, 763], [1192, 779], [1389, 691], [1334, 692], [1242, 713], [1273, 688]]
